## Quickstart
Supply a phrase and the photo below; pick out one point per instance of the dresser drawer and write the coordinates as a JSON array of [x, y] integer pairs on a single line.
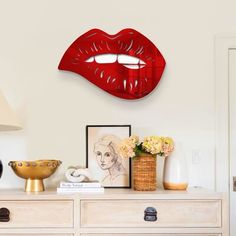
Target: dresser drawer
[[36, 234], [170, 213], [150, 234], [40, 214]]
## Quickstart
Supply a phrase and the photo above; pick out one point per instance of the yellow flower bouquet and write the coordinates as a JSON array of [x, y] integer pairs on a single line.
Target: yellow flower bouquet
[[143, 155], [154, 145]]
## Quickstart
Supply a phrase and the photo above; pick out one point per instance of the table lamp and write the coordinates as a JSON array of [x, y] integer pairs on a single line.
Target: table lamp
[[8, 120]]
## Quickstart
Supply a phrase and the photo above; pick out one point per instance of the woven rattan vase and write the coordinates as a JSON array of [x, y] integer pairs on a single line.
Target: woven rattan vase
[[144, 172]]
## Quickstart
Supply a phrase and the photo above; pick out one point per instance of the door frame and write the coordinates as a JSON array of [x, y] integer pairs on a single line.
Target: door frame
[[223, 182], [223, 43]]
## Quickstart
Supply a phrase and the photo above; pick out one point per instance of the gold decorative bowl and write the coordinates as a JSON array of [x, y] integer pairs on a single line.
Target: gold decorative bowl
[[34, 172]]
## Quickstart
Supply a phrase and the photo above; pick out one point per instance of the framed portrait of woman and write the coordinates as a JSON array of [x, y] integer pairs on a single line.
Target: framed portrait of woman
[[102, 156]]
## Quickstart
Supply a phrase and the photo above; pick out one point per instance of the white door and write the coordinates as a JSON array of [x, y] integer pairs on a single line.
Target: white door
[[232, 138]]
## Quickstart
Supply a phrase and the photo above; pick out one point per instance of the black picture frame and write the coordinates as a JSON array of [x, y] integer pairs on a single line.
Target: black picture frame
[[89, 156]]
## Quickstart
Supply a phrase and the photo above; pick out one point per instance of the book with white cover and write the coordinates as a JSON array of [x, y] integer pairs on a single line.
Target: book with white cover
[[80, 185], [80, 190]]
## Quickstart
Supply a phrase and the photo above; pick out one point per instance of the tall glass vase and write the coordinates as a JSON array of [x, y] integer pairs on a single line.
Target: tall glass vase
[[175, 175]]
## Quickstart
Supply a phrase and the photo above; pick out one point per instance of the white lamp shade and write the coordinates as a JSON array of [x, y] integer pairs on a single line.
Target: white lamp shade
[[8, 119]]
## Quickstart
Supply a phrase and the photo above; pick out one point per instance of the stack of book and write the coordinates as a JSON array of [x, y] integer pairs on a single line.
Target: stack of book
[[83, 187]]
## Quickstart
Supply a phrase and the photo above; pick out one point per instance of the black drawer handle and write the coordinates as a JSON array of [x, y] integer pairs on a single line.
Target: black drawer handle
[[150, 214], [4, 215]]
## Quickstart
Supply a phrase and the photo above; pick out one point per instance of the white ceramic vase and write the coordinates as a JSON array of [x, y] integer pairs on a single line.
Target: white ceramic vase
[[175, 176]]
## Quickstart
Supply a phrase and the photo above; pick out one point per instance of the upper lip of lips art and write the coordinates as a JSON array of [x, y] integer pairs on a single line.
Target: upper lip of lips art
[[126, 65]]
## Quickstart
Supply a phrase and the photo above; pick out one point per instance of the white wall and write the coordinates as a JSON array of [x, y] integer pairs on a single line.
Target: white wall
[[55, 106]]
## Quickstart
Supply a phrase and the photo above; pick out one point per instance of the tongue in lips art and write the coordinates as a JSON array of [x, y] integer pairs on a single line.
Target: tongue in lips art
[[127, 64]]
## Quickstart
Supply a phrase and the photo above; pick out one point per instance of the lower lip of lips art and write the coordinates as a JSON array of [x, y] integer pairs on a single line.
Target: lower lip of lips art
[[126, 65]]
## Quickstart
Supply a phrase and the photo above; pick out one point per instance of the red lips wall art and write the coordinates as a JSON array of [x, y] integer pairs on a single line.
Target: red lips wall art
[[127, 64]]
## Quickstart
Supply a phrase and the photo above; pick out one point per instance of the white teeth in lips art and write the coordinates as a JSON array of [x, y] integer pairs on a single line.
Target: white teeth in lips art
[[126, 60]]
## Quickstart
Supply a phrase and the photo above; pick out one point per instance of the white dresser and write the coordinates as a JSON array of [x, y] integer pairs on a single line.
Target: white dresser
[[114, 213]]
